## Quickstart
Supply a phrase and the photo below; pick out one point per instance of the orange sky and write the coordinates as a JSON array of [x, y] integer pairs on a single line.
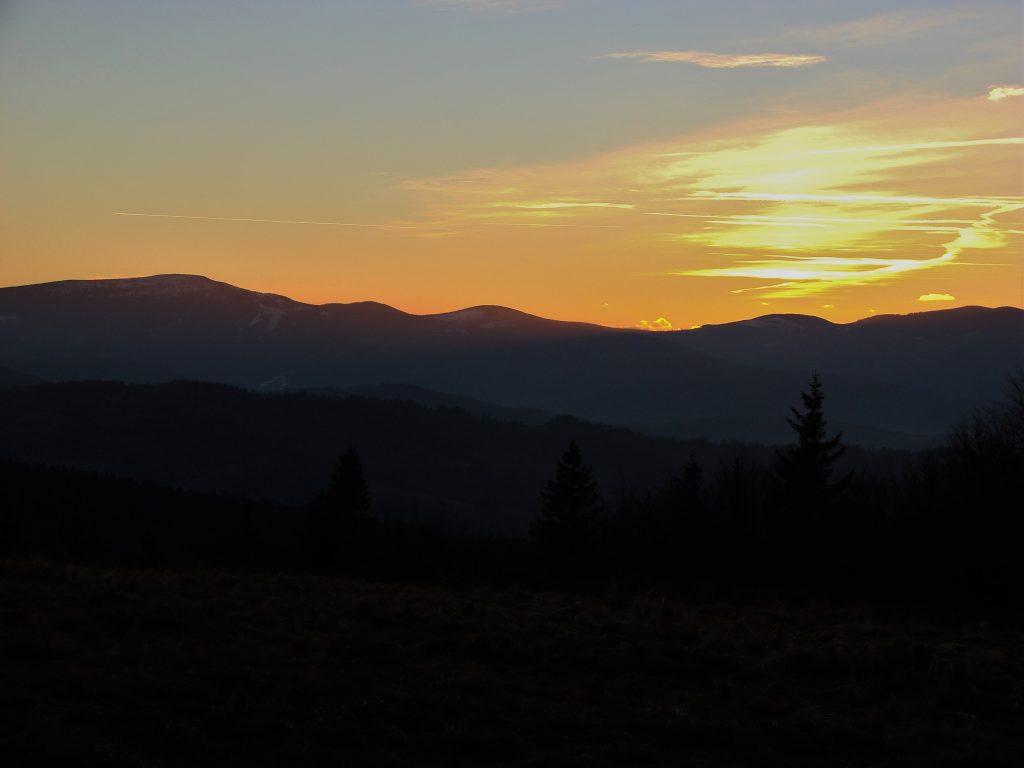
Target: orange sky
[[803, 181]]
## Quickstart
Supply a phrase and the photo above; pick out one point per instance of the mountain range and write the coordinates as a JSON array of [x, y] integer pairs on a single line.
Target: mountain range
[[896, 381], [437, 463]]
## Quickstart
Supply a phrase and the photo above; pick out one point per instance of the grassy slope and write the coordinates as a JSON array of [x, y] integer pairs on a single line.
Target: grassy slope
[[139, 668]]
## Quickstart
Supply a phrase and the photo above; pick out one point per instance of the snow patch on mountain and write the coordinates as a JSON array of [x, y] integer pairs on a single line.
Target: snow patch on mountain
[[790, 323], [278, 383], [272, 314], [155, 285], [484, 318]]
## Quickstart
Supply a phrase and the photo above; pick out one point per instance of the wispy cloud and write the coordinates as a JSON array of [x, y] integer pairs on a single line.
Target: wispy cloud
[[791, 206], [1000, 92], [785, 197], [724, 60], [936, 297], [805, 275], [882, 28], [557, 205], [504, 6], [808, 275], [926, 145]]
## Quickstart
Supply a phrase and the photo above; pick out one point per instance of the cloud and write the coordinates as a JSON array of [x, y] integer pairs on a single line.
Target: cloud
[[926, 145], [1000, 92], [724, 60], [809, 275], [978, 202], [882, 28], [661, 324], [936, 297], [502, 6], [554, 205], [786, 206]]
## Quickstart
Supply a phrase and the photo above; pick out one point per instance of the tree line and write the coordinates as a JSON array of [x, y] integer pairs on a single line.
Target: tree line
[[950, 521], [947, 522]]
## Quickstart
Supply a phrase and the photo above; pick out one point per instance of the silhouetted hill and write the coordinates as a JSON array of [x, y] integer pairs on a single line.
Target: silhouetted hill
[[434, 463], [726, 381], [964, 352], [423, 396], [65, 514], [421, 462], [9, 378], [95, 369]]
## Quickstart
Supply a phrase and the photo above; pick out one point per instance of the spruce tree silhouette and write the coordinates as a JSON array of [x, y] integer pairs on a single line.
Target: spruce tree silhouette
[[340, 516], [803, 541], [348, 493], [571, 509], [805, 469]]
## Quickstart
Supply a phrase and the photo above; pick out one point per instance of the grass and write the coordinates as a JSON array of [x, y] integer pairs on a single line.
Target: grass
[[102, 667]]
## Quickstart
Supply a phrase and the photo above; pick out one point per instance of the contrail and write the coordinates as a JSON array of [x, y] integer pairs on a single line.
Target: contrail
[[542, 224], [267, 221], [922, 145], [783, 197]]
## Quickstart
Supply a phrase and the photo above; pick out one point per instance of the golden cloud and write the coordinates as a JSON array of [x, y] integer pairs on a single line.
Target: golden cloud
[[791, 206], [936, 297], [661, 324], [724, 60]]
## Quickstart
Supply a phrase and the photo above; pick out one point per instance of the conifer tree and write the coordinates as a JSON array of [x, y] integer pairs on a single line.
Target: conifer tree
[[805, 469], [348, 495], [571, 507], [340, 515]]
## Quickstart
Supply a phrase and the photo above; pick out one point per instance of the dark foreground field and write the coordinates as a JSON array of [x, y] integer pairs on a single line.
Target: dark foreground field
[[138, 668]]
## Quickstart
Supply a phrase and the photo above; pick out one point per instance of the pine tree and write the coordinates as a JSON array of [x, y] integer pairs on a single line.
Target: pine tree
[[571, 507], [348, 494], [340, 515], [805, 469]]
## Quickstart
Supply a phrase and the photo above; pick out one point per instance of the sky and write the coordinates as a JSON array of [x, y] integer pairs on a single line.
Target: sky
[[637, 163]]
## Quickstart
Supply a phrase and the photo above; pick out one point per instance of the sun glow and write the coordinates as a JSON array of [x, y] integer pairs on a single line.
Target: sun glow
[[682, 161], [840, 202]]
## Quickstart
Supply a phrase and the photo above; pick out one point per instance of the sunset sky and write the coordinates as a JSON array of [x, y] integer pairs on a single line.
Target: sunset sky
[[651, 163]]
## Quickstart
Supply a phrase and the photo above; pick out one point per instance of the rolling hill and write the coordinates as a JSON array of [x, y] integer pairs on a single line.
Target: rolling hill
[[963, 352], [432, 463], [896, 382]]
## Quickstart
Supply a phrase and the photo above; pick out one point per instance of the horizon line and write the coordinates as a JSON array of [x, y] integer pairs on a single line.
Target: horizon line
[[499, 306]]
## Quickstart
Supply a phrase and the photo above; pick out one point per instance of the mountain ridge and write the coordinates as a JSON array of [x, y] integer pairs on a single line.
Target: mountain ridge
[[179, 283], [893, 378]]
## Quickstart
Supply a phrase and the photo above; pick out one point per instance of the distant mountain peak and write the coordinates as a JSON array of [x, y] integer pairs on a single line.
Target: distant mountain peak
[[969, 319], [777, 322], [492, 316], [484, 316], [479, 311], [166, 285]]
